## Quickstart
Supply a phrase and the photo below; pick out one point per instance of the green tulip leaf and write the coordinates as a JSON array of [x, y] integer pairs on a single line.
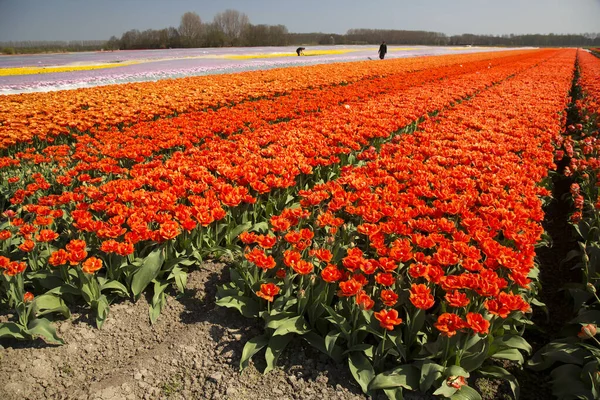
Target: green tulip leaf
[[47, 279], [475, 355], [274, 349], [466, 393], [557, 351], [261, 227], [394, 394], [405, 376], [101, 308], [445, 390], [330, 340], [43, 328], [252, 347], [456, 370], [245, 305], [181, 277], [430, 372], [158, 300], [11, 330], [361, 370], [587, 317], [147, 272], [510, 354], [321, 344], [65, 289], [114, 286], [48, 304], [295, 325], [235, 232]]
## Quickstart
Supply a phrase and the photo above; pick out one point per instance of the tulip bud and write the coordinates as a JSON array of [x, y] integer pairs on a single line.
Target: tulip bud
[[591, 288], [585, 257], [456, 381], [588, 331], [9, 213], [27, 297], [280, 274]]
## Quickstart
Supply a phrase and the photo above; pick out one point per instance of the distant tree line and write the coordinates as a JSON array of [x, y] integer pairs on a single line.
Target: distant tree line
[[537, 40], [233, 28], [43, 46], [229, 28], [371, 36]]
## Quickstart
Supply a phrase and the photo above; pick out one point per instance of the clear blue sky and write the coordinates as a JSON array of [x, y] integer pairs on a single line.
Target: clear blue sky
[[100, 19]]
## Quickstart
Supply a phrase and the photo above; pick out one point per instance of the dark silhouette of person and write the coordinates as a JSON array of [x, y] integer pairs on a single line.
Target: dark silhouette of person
[[300, 51], [382, 50]]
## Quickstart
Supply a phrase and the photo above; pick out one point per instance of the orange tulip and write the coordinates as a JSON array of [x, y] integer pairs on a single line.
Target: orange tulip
[[91, 265]]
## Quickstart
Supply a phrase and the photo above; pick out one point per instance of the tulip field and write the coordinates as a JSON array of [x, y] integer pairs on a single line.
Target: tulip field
[[386, 213], [49, 72]]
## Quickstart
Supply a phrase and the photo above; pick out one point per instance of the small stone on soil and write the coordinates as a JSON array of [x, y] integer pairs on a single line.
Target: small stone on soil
[[216, 377]]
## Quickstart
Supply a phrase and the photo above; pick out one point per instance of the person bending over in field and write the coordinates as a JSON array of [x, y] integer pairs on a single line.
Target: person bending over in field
[[300, 51], [382, 50]]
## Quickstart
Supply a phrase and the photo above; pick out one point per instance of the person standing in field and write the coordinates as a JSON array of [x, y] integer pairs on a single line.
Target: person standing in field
[[300, 51], [382, 50]]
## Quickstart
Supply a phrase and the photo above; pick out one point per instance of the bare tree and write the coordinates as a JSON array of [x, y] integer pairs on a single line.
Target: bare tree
[[232, 23], [190, 29]]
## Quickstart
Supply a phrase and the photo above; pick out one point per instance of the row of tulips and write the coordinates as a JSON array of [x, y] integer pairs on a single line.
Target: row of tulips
[[247, 117], [578, 376], [113, 152], [45, 115], [227, 127], [417, 264], [239, 158], [255, 114], [182, 66], [103, 152], [143, 226]]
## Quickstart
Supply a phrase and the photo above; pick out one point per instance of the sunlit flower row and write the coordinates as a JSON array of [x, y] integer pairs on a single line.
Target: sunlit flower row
[[444, 220], [28, 116], [105, 213], [111, 173], [57, 69]]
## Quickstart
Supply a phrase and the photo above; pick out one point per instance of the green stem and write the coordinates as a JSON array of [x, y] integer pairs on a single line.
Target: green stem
[[355, 313], [446, 350], [462, 351], [64, 272], [34, 259], [379, 357]]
